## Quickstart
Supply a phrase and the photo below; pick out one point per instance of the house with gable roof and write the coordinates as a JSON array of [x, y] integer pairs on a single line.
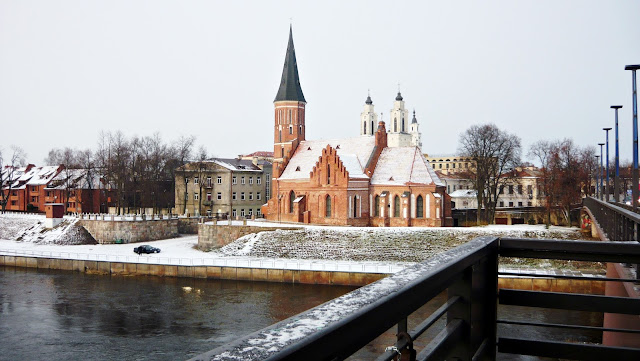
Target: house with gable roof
[[380, 178]]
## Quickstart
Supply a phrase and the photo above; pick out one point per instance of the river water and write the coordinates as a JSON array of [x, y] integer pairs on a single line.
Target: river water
[[58, 315]]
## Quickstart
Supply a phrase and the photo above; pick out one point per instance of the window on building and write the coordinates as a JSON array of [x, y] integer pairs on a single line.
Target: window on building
[[233, 196], [196, 180], [510, 204], [258, 213], [267, 188], [519, 204], [208, 181], [290, 129], [396, 206], [250, 212], [234, 213], [250, 196], [328, 174], [196, 196], [448, 188], [208, 212], [440, 166], [447, 165], [419, 207], [529, 204], [327, 208], [519, 188], [453, 165], [292, 197], [376, 210], [530, 190], [250, 180], [510, 189], [242, 212], [209, 196], [258, 180], [242, 196], [501, 190], [501, 204], [219, 180], [219, 195], [242, 180], [355, 207], [186, 180], [234, 180]]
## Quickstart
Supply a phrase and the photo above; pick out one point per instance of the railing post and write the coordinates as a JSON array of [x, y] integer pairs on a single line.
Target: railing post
[[461, 310]]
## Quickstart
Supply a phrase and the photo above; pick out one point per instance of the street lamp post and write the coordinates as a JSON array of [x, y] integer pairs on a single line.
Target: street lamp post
[[597, 178], [607, 188], [600, 172], [616, 185], [634, 96]]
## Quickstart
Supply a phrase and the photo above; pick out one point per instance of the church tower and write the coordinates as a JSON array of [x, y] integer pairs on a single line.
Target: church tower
[[398, 124], [289, 112], [368, 118], [416, 136]]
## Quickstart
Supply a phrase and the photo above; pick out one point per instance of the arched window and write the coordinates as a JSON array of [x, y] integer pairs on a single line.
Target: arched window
[[280, 135], [419, 207], [403, 124], [376, 211], [395, 124], [327, 211], [364, 131], [372, 127], [396, 206], [328, 174], [355, 206], [292, 197]]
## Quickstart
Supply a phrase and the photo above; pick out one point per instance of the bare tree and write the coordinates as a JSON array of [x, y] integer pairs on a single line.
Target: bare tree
[[8, 166], [181, 152], [495, 153], [566, 174]]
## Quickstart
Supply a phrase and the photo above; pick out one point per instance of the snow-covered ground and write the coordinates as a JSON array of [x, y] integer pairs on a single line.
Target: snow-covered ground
[[354, 249]]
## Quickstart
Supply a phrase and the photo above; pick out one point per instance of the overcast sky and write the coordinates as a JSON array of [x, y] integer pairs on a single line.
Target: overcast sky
[[540, 69]]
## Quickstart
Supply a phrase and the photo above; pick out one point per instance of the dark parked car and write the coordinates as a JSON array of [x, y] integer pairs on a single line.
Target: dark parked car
[[146, 249]]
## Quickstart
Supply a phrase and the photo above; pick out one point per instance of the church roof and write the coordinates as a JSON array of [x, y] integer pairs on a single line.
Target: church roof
[[353, 152], [402, 166], [290, 83]]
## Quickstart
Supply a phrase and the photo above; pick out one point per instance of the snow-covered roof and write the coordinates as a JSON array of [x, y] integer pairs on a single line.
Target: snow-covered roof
[[353, 152], [235, 164], [404, 165], [42, 175], [77, 179], [463, 193]]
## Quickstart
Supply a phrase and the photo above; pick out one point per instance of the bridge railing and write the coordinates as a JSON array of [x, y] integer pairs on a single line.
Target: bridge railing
[[618, 223], [469, 274]]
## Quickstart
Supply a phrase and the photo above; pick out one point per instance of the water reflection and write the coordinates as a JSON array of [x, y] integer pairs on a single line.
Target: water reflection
[[74, 316]]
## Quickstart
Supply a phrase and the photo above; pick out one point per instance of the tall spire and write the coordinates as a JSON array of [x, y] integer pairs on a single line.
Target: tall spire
[[290, 83]]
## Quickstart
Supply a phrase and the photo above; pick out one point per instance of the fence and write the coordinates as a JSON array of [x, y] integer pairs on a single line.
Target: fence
[[339, 328]]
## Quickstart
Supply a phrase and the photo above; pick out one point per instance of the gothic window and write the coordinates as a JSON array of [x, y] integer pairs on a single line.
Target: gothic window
[[292, 197], [395, 124], [396, 207], [280, 135], [328, 174], [372, 127], [282, 152], [376, 211], [403, 125], [419, 207], [290, 129], [355, 206], [328, 206], [364, 131]]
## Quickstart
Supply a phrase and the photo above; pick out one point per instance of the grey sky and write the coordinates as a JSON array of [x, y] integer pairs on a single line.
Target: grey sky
[[540, 69]]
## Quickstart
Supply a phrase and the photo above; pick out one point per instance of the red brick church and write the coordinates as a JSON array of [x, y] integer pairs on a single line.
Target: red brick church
[[380, 178]]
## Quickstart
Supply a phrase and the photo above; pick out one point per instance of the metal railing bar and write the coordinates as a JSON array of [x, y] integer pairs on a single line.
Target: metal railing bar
[[569, 301], [624, 212], [482, 349], [566, 350], [571, 250], [537, 275], [440, 346], [558, 325], [421, 328]]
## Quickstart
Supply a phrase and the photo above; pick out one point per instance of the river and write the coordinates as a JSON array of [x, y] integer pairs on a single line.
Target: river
[[60, 315]]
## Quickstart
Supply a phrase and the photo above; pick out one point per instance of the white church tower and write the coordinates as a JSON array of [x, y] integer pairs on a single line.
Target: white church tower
[[416, 136], [368, 118], [398, 132]]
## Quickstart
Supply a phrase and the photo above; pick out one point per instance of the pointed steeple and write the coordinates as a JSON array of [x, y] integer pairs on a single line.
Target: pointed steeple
[[290, 83], [414, 120]]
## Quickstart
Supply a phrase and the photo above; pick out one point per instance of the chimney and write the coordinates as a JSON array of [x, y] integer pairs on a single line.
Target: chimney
[[381, 135]]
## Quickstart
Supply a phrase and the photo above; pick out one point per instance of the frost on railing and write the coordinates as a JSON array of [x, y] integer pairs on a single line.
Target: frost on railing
[[306, 265]]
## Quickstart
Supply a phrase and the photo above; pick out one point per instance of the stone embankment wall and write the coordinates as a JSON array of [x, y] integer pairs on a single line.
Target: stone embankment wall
[[188, 225], [208, 272], [108, 231], [211, 236]]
